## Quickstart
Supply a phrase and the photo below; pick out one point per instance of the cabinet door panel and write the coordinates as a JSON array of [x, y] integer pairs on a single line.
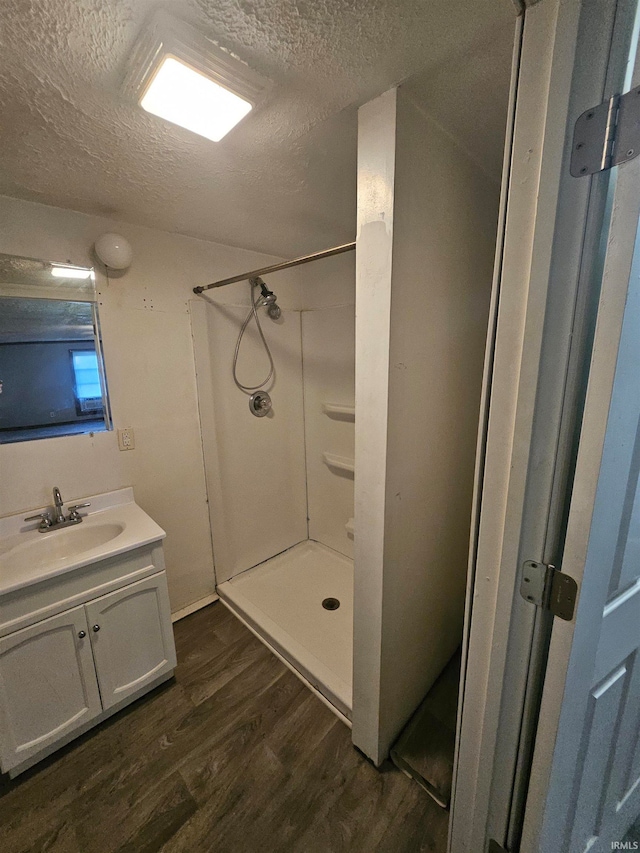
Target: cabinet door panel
[[48, 685], [134, 641]]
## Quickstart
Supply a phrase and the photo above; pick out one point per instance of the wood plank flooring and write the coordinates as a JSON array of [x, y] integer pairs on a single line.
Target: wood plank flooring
[[234, 756], [426, 747]]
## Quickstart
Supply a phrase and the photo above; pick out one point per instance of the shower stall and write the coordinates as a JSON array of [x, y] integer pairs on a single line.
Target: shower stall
[[339, 431], [281, 485]]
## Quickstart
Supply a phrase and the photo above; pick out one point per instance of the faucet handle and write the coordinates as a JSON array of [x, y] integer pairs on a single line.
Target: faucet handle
[[45, 520], [74, 515]]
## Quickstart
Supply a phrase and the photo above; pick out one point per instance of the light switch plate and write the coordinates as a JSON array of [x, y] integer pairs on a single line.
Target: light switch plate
[[126, 439]]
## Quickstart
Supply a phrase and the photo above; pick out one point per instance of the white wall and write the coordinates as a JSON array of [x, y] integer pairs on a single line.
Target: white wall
[[261, 471], [150, 369], [426, 233]]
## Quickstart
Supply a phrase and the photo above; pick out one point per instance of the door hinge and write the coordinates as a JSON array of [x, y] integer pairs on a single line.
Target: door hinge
[[606, 135], [547, 587]]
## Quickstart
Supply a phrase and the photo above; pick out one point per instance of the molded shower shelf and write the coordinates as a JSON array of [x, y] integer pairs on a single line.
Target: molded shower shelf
[[350, 527], [338, 411], [342, 463]]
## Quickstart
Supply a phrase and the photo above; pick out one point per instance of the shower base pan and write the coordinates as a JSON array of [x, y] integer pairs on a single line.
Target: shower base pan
[[281, 600]]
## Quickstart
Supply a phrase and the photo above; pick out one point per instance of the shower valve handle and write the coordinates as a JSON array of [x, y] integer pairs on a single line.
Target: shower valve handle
[[260, 404]]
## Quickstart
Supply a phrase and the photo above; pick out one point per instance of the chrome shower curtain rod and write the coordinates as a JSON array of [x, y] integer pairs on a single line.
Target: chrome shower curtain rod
[[284, 265]]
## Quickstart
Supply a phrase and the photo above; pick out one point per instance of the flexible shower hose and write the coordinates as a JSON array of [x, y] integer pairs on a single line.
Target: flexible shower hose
[[253, 312]]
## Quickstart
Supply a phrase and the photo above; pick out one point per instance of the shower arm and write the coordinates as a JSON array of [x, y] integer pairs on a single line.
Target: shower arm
[[283, 265]]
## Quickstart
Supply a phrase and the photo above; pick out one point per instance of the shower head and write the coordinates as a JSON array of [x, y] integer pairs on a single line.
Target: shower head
[[268, 299], [273, 309]]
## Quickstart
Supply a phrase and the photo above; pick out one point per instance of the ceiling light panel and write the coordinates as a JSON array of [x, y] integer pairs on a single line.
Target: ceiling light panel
[[186, 97], [179, 74]]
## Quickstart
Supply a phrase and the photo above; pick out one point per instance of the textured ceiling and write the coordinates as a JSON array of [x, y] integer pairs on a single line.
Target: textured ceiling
[[284, 180]]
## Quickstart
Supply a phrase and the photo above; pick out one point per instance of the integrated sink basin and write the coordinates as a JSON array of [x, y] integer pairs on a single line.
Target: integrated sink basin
[[59, 545], [115, 524]]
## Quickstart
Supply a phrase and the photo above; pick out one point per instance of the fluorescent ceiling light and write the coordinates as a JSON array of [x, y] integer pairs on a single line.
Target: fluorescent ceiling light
[[70, 272], [184, 96]]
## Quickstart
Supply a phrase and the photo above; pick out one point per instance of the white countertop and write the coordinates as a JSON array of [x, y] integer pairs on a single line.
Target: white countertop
[[112, 525]]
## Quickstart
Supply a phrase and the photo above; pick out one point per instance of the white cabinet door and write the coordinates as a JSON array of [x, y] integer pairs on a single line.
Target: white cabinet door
[[48, 685], [132, 638]]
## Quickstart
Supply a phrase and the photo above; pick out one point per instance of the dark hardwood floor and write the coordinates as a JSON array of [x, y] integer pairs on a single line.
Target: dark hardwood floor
[[234, 756]]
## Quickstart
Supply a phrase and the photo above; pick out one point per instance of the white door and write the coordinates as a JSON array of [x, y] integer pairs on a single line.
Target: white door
[[131, 637], [585, 779], [48, 685], [550, 286]]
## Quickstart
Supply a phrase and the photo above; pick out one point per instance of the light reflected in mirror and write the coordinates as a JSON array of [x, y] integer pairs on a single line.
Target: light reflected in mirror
[[34, 278], [52, 379]]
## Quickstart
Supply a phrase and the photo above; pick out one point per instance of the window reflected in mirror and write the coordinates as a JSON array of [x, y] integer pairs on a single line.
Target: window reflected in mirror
[[52, 378]]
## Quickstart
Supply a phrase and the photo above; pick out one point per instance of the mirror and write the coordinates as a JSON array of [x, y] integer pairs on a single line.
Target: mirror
[[52, 378]]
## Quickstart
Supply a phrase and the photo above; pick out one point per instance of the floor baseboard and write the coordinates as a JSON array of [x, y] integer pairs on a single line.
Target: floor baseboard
[[191, 608]]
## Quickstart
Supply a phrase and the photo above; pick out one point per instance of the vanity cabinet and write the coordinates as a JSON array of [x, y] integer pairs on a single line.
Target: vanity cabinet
[[63, 674], [131, 638], [48, 685]]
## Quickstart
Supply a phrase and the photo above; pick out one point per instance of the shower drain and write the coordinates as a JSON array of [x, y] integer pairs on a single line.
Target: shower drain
[[331, 603]]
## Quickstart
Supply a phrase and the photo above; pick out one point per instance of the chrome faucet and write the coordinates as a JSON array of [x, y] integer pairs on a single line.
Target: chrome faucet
[[58, 520], [58, 503]]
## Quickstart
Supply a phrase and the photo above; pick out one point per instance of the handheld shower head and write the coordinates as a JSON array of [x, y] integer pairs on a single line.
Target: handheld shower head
[[268, 299], [273, 309]]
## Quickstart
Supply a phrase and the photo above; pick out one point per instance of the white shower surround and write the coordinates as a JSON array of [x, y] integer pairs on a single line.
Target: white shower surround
[[266, 475], [328, 349]]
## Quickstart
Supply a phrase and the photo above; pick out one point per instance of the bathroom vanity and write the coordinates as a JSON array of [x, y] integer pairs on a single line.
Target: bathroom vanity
[[85, 625]]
